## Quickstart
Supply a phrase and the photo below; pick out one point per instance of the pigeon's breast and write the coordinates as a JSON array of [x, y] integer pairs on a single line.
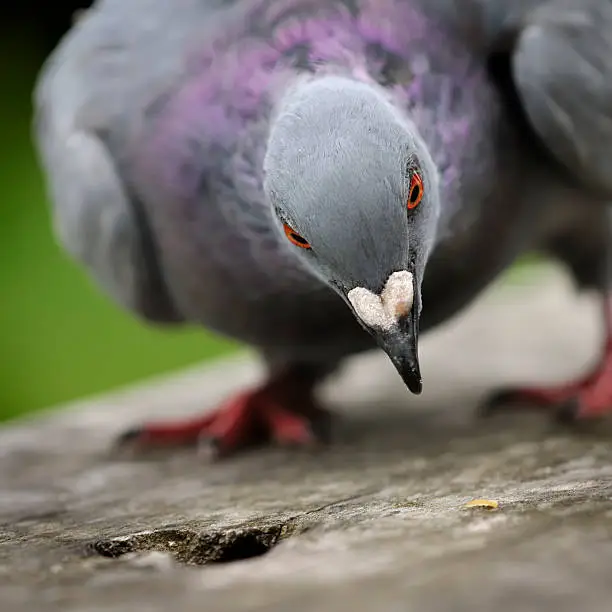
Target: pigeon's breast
[[202, 169]]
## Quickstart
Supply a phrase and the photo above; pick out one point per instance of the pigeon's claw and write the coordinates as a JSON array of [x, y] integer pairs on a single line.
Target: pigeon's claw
[[586, 398], [589, 397], [252, 418], [267, 414]]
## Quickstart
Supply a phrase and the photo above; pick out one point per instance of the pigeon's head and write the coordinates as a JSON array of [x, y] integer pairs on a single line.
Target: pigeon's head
[[355, 193]]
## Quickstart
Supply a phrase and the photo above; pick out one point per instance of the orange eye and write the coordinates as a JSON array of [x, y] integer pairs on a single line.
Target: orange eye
[[295, 238], [416, 191]]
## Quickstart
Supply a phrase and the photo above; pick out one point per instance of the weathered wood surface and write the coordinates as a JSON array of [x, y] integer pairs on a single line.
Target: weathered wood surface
[[373, 522]]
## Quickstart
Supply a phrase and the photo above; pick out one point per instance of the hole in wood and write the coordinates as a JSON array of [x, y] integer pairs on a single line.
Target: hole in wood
[[193, 548]]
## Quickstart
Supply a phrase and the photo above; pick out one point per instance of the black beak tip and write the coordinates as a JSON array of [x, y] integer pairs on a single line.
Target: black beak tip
[[415, 384], [412, 379], [410, 373]]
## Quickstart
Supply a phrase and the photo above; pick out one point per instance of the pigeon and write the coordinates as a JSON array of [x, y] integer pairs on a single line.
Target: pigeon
[[321, 178]]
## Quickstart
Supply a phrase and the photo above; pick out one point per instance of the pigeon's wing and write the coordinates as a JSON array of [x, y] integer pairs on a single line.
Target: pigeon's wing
[[100, 225], [94, 215], [561, 64]]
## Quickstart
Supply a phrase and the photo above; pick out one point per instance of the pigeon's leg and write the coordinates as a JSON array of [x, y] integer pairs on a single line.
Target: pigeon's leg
[[586, 249], [283, 410], [587, 397]]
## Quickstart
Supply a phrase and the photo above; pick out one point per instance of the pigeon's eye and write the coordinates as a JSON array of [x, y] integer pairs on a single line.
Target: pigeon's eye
[[415, 194], [295, 238]]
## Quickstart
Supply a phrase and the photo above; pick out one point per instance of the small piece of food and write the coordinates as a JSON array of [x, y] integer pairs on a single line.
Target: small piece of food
[[489, 504]]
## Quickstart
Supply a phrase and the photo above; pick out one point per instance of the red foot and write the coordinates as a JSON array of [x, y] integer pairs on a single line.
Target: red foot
[[589, 397], [245, 420]]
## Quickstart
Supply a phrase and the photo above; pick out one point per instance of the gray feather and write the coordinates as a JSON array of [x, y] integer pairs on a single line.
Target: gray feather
[[563, 70], [155, 121], [93, 215]]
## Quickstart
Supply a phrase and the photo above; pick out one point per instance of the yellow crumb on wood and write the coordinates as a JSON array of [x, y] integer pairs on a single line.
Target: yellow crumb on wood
[[489, 504]]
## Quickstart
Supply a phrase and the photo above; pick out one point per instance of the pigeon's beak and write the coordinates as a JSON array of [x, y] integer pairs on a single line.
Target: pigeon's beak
[[392, 318], [401, 345]]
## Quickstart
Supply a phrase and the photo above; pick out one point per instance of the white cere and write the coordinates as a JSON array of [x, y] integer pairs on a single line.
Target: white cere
[[382, 311]]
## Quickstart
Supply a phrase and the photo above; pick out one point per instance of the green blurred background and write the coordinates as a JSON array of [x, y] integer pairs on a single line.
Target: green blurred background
[[60, 337]]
